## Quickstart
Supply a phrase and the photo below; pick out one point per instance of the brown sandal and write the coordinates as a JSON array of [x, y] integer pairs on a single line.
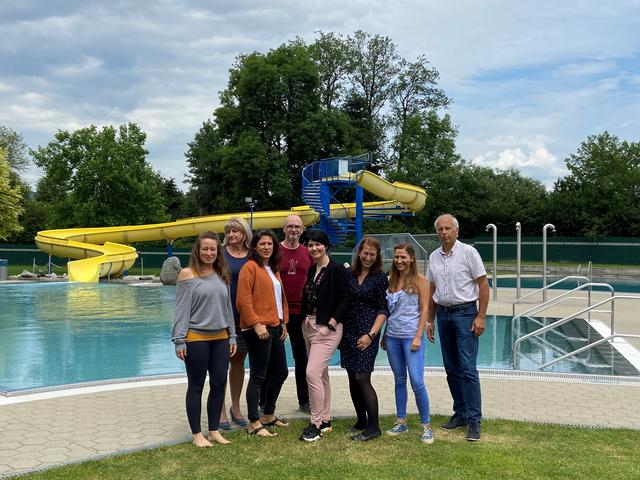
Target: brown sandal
[[261, 428], [276, 422]]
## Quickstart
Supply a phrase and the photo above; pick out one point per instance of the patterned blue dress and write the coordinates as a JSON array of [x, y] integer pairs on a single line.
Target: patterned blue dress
[[367, 301]]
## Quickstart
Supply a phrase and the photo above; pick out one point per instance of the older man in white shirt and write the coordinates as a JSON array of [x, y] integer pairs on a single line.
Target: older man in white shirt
[[459, 295]]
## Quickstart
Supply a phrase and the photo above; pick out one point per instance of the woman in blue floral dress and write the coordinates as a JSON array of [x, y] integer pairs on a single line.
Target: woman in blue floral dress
[[360, 339]]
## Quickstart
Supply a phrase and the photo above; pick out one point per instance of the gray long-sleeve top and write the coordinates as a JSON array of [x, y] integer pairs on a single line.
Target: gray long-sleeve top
[[203, 305]]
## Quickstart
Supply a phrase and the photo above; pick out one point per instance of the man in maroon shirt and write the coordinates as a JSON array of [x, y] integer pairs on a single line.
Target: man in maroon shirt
[[294, 265]]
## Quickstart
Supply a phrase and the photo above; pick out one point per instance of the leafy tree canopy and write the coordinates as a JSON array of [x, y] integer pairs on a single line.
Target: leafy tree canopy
[[14, 148], [99, 178], [10, 200], [601, 194]]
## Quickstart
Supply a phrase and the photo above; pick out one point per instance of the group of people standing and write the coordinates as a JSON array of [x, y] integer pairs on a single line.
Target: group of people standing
[[258, 291]]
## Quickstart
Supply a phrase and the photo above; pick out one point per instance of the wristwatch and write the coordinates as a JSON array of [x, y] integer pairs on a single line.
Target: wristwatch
[[372, 334]]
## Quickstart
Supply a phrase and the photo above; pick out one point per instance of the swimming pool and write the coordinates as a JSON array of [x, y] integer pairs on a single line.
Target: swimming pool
[[54, 334], [619, 285]]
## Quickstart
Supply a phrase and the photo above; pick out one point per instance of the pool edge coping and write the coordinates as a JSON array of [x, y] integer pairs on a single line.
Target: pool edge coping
[[19, 396]]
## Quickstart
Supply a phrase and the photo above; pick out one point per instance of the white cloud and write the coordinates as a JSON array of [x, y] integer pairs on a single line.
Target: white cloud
[[529, 80], [530, 156], [536, 156], [86, 66]]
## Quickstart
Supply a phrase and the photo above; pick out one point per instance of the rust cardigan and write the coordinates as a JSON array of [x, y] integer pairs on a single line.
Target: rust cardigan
[[256, 299]]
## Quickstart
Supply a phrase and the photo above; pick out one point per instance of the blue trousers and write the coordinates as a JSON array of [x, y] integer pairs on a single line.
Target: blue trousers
[[460, 355], [401, 360]]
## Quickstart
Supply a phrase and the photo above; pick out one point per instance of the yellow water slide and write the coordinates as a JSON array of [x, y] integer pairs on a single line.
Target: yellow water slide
[[103, 251]]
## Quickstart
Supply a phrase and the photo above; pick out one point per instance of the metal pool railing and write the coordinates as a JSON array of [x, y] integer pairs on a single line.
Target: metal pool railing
[[562, 321], [557, 282]]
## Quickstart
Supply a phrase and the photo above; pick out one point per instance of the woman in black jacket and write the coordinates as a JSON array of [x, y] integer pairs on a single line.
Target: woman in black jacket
[[325, 301]]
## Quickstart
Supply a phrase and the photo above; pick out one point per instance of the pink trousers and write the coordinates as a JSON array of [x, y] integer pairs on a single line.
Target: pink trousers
[[320, 348]]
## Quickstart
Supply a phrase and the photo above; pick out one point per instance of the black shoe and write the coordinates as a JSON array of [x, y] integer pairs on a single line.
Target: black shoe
[[473, 432], [454, 422], [304, 407], [356, 428], [311, 433], [366, 435], [325, 427]]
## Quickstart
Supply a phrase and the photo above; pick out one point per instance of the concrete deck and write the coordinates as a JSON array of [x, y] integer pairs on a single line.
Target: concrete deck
[[48, 429]]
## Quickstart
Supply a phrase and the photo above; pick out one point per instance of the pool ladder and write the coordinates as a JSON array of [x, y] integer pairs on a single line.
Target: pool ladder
[[595, 307]]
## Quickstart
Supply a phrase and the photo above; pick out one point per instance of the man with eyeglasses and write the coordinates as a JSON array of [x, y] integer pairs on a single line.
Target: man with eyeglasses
[[295, 262]]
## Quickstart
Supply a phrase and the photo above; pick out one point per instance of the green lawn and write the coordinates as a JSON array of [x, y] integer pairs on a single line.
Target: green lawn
[[509, 450]]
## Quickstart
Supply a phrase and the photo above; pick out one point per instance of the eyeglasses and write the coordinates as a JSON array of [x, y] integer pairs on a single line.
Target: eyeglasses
[[293, 227]]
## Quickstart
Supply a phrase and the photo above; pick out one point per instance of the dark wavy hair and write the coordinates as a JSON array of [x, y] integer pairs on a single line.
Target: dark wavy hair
[[274, 259], [356, 268], [219, 264]]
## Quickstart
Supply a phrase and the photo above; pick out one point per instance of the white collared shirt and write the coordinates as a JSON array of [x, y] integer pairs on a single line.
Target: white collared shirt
[[455, 274]]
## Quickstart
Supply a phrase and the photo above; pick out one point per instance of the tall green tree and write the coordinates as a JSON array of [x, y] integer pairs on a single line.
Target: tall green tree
[[332, 55], [15, 149], [205, 174], [601, 194], [174, 198], [99, 178], [268, 127], [10, 200], [375, 64], [416, 99], [33, 218]]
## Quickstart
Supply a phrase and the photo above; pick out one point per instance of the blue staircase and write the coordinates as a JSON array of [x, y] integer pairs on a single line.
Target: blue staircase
[[320, 181]]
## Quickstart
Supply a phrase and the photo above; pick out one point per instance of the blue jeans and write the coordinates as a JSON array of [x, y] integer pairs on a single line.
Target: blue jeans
[[459, 355], [401, 359]]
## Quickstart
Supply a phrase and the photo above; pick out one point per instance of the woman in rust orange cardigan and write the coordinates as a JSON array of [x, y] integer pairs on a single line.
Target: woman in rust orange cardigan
[[263, 320]]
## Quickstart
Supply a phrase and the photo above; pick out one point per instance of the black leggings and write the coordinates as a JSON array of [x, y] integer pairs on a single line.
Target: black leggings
[[209, 356], [265, 356], [364, 400], [299, 350]]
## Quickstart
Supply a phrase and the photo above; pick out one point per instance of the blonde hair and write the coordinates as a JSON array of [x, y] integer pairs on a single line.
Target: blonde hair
[[410, 285], [240, 224]]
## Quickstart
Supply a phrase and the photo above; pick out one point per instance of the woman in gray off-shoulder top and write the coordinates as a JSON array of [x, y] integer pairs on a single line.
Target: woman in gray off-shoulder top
[[204, 332]]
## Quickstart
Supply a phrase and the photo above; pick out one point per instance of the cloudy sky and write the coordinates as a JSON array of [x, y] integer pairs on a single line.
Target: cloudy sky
[[529, 80]]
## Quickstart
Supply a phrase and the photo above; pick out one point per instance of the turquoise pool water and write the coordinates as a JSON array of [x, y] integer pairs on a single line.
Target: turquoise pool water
[[59, 333], [628, 286]]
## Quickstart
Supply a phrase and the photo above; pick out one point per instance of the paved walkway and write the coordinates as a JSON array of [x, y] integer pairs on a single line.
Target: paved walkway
[[44, 430], [40, 433]]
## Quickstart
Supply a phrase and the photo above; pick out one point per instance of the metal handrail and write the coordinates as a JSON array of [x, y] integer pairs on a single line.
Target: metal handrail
[[559, 299], [562, 321], [570, 277], [589, 346]]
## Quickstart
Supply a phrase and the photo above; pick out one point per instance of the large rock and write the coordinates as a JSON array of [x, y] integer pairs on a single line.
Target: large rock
[[170, 270]]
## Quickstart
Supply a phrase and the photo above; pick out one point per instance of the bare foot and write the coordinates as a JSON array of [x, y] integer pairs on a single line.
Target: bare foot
[[216, 437], [200, 441]]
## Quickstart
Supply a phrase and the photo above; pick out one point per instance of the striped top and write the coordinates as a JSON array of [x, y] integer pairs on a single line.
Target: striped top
[[455, 274]]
